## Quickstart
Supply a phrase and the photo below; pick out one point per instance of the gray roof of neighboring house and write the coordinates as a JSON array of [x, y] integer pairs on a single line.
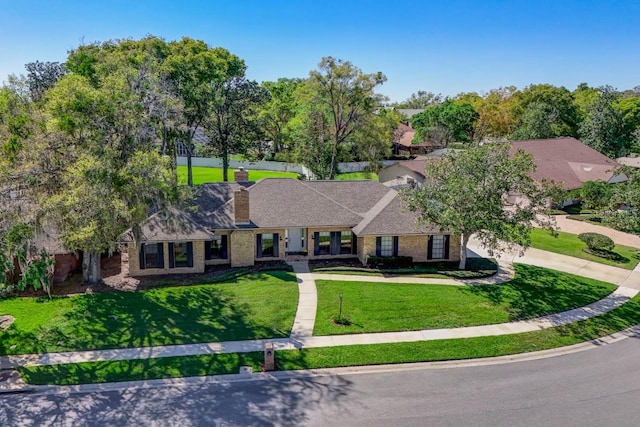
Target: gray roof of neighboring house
[[566, 160], [408, 112], [368, 206]]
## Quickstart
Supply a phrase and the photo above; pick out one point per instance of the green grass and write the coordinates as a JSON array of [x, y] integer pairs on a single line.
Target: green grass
[[314, 358], [476, 268], [250, 307], [202, 175], [354, 176], [569, 244], [386, 307]]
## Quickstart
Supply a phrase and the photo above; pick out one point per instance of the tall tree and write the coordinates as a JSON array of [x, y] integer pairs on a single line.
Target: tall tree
[[276, 114], [465, 195], [421, 99], [42, 76], [346, 96], [195, 69], [232, 125], [554, 104], [445, 123], [603, 128]]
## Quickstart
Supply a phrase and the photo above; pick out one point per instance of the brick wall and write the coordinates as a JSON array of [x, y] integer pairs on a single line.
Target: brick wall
[[242, 247], [134, 261], [241, 206], [410, 245]]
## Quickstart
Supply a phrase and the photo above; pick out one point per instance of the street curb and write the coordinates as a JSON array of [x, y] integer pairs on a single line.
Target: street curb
[[634, 331]]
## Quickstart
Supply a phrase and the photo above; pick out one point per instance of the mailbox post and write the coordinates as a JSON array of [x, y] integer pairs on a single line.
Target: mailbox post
[[269, 357]]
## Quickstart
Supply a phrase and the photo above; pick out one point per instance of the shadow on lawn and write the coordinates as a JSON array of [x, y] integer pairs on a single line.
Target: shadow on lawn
[[538, 291], [166, 316]]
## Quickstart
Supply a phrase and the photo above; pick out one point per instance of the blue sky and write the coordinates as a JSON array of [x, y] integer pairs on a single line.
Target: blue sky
[[435, 45]]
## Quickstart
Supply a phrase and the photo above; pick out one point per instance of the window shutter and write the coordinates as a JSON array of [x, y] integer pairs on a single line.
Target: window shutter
[[430, 248], [378, 245], [190, 254], [259, 245], [225, 253], [335, 242], [276, 245], [316, 243], [142, 265], [172, 256], [395, 245], [354, 244], [446, 247], [161, 254], [207, 249]]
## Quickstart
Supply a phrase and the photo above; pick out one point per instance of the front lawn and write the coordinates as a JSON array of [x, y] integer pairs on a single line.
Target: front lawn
[[328, 357], [569, 244], [254, 306], [355, 176], [386, 307], [203, 175]]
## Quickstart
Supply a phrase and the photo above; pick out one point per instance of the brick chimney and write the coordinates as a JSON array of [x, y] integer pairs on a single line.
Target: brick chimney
[[241, 175], [241, 206]]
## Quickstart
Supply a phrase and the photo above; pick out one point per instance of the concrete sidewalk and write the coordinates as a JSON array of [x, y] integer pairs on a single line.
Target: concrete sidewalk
[[576, 227]]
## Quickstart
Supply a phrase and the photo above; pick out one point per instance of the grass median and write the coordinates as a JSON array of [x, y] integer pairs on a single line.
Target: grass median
[[329, 357]]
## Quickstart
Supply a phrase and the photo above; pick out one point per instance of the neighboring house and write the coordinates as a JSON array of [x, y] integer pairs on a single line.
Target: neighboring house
[[403, 142], [568, 162], [407, 173], [240, 223], [199, 140], [65, 262]]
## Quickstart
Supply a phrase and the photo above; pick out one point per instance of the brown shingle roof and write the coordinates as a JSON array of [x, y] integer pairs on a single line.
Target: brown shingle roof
[[389, 217], [368, 206], [566, 160]]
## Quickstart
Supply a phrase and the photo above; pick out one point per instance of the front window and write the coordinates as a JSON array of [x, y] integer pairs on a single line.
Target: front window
[[345, 242], [152, 256], [386, 246], [267, 245], [437, 248], [324, 243], [217, 248]]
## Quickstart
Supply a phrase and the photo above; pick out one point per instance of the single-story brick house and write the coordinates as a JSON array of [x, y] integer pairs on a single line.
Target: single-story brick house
[[240, 223]]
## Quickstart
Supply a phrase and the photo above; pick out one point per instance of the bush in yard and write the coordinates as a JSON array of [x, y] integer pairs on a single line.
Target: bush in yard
[[595, 194], [597, 242], [389, 261]]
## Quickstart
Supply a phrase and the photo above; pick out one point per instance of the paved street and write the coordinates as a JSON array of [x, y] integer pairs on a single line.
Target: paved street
[[599, 387]]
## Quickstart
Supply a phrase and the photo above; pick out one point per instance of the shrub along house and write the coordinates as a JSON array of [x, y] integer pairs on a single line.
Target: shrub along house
[[241, 223]]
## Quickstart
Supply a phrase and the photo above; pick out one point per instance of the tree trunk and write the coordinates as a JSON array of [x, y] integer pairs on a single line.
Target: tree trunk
[[189, 172], [463, 251], [334, 155], [225, 162], [91, 268]]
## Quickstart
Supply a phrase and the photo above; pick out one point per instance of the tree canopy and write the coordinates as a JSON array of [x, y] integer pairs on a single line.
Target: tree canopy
[[465, 194]]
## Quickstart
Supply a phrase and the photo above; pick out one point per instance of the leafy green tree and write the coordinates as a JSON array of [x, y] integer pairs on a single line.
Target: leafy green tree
[[465, 195], [537, 122], [347, 99], [195, 70], [276, 114], [233, 124], [445, 123], [545, 102], [42, 76], [420, 99], [603, 129], [596, 194]]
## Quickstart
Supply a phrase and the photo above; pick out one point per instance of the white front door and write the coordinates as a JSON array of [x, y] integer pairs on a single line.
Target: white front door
[[294, 239]]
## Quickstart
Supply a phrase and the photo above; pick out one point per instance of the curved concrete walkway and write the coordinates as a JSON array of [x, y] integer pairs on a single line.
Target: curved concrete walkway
[[301, 334]]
